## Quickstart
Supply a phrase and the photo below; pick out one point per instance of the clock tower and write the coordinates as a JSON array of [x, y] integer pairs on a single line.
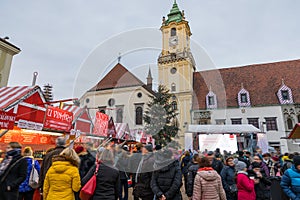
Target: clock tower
[[176, 65]]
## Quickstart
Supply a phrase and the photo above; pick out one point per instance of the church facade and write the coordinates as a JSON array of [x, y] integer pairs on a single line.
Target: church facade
[[264, 95]]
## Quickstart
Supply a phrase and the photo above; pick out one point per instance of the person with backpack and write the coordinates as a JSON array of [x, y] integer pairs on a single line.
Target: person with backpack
[[287, 163], [192, 171], [25, 190], [228, 175], [13, 171]]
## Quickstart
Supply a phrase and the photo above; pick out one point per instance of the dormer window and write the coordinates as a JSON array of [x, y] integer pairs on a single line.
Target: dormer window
[[285, 95], [173, 32], [211, 100], [244, 98]]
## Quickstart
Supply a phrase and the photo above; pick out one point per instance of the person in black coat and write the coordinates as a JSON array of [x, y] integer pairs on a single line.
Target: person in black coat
[[262, 189], [192, 171], [228, 174], [142, 188], [216, 164], [108, 178], [185, 160], [166, 179], [13, 171], [121, 163]]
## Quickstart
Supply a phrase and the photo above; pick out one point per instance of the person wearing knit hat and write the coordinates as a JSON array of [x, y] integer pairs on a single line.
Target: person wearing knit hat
[[290, 183], [228, 179], [240, 166], [79, 149]]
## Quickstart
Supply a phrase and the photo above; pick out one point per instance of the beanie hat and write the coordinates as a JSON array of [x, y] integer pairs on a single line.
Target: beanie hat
[[149, 147], [240, 166], [255, 165], [296, 160], [158, 147], [79, 149]]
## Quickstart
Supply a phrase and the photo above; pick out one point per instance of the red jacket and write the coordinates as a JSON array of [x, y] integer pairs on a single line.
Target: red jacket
[[245, 187]]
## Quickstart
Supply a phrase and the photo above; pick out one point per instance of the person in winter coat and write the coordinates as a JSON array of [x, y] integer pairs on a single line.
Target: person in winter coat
[[215, 164], [184, 161], [263, 165], [142, 189], [244, 184], [192, 171], [208, 183], [25, 191], [166, 179], [47, 161], [13, 171], [290, 182], [262, 189], [122, 165], [228, 179], [62, 178], [108, 177]]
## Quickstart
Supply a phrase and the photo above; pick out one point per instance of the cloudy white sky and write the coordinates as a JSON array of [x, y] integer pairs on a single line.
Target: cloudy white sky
[[65, 39]]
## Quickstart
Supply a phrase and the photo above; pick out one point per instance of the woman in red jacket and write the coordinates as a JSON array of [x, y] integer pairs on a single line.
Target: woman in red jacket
[[244, 184]]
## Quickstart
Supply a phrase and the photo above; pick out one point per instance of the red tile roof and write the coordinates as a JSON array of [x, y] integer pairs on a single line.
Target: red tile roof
[[262, 81], [118, 77]]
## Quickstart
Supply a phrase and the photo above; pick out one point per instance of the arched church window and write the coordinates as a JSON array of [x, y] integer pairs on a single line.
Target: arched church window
[[119, 115], [173, 87], [290, 124], [139, 116], [173, 32], [174, 105]]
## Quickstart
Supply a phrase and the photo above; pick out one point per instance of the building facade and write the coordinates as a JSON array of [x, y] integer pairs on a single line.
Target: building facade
[[7, 51]]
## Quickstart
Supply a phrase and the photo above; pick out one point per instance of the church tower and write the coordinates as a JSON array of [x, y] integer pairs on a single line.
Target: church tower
[[176, 65]]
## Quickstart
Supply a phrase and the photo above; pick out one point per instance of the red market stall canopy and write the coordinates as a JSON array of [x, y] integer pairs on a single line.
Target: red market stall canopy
[[295, 134], [223, 129], [82, 121]]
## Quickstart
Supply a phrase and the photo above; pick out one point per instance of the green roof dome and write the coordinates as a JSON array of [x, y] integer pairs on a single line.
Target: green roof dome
[[175, 14]]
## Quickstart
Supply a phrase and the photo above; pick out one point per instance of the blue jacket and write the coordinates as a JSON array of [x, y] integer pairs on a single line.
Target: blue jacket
[[24, 187], [290, 183]]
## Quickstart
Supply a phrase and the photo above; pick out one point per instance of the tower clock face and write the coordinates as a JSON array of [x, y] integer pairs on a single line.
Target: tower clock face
[[173, 41]]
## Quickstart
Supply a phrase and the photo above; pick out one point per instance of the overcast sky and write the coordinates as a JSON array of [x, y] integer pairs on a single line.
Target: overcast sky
[[65, 39]]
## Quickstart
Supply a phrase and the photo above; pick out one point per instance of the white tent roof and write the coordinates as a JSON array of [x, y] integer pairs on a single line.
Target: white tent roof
[[223, 129]]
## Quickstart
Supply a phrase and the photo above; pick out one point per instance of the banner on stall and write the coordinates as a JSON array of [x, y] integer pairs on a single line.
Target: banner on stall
[[101, 124], [27, 138], [58, 119], [7, 120], [226, 142]]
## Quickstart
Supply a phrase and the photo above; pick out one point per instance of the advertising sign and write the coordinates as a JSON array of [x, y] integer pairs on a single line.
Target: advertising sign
[[58, 119], [27, 138], [224, 142], [101, 124], [7, 120]]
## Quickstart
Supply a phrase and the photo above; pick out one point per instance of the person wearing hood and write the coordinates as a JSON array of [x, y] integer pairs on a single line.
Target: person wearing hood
[[25, 191], [166, 179], [290, 182], [13, 171], [245, 185], [142, 188], [208, 183], [62, 178], [228, 179]]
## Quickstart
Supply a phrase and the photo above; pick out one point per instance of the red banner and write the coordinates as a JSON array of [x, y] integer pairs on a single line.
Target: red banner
[[7, 120], [58, 119], [101, 124]]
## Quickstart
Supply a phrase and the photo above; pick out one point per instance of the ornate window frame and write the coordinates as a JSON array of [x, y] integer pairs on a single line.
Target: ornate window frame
[[243, 91], [210, 104], [280, 96]]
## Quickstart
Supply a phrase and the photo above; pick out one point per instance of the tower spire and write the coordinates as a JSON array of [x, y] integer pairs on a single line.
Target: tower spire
[[149, 79]]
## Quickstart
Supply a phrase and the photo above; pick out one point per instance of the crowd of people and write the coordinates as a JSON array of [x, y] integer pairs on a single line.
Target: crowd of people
[[153, 173]]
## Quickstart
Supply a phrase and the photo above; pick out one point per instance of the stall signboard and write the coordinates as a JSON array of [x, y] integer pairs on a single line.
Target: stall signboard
[[58, 119], [101, 124], [27, 138], [7, 120]]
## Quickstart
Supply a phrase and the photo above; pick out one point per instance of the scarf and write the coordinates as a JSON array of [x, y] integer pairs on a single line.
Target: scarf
[[205, 169]]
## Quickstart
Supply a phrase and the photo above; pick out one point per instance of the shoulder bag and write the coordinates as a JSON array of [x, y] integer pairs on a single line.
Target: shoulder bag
[[88, 189]]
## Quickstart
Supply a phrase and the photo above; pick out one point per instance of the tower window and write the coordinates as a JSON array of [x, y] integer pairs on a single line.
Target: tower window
[[290, 123], [285, 94], [173, 87], [174, 105], [139, 116], [173, 32]]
